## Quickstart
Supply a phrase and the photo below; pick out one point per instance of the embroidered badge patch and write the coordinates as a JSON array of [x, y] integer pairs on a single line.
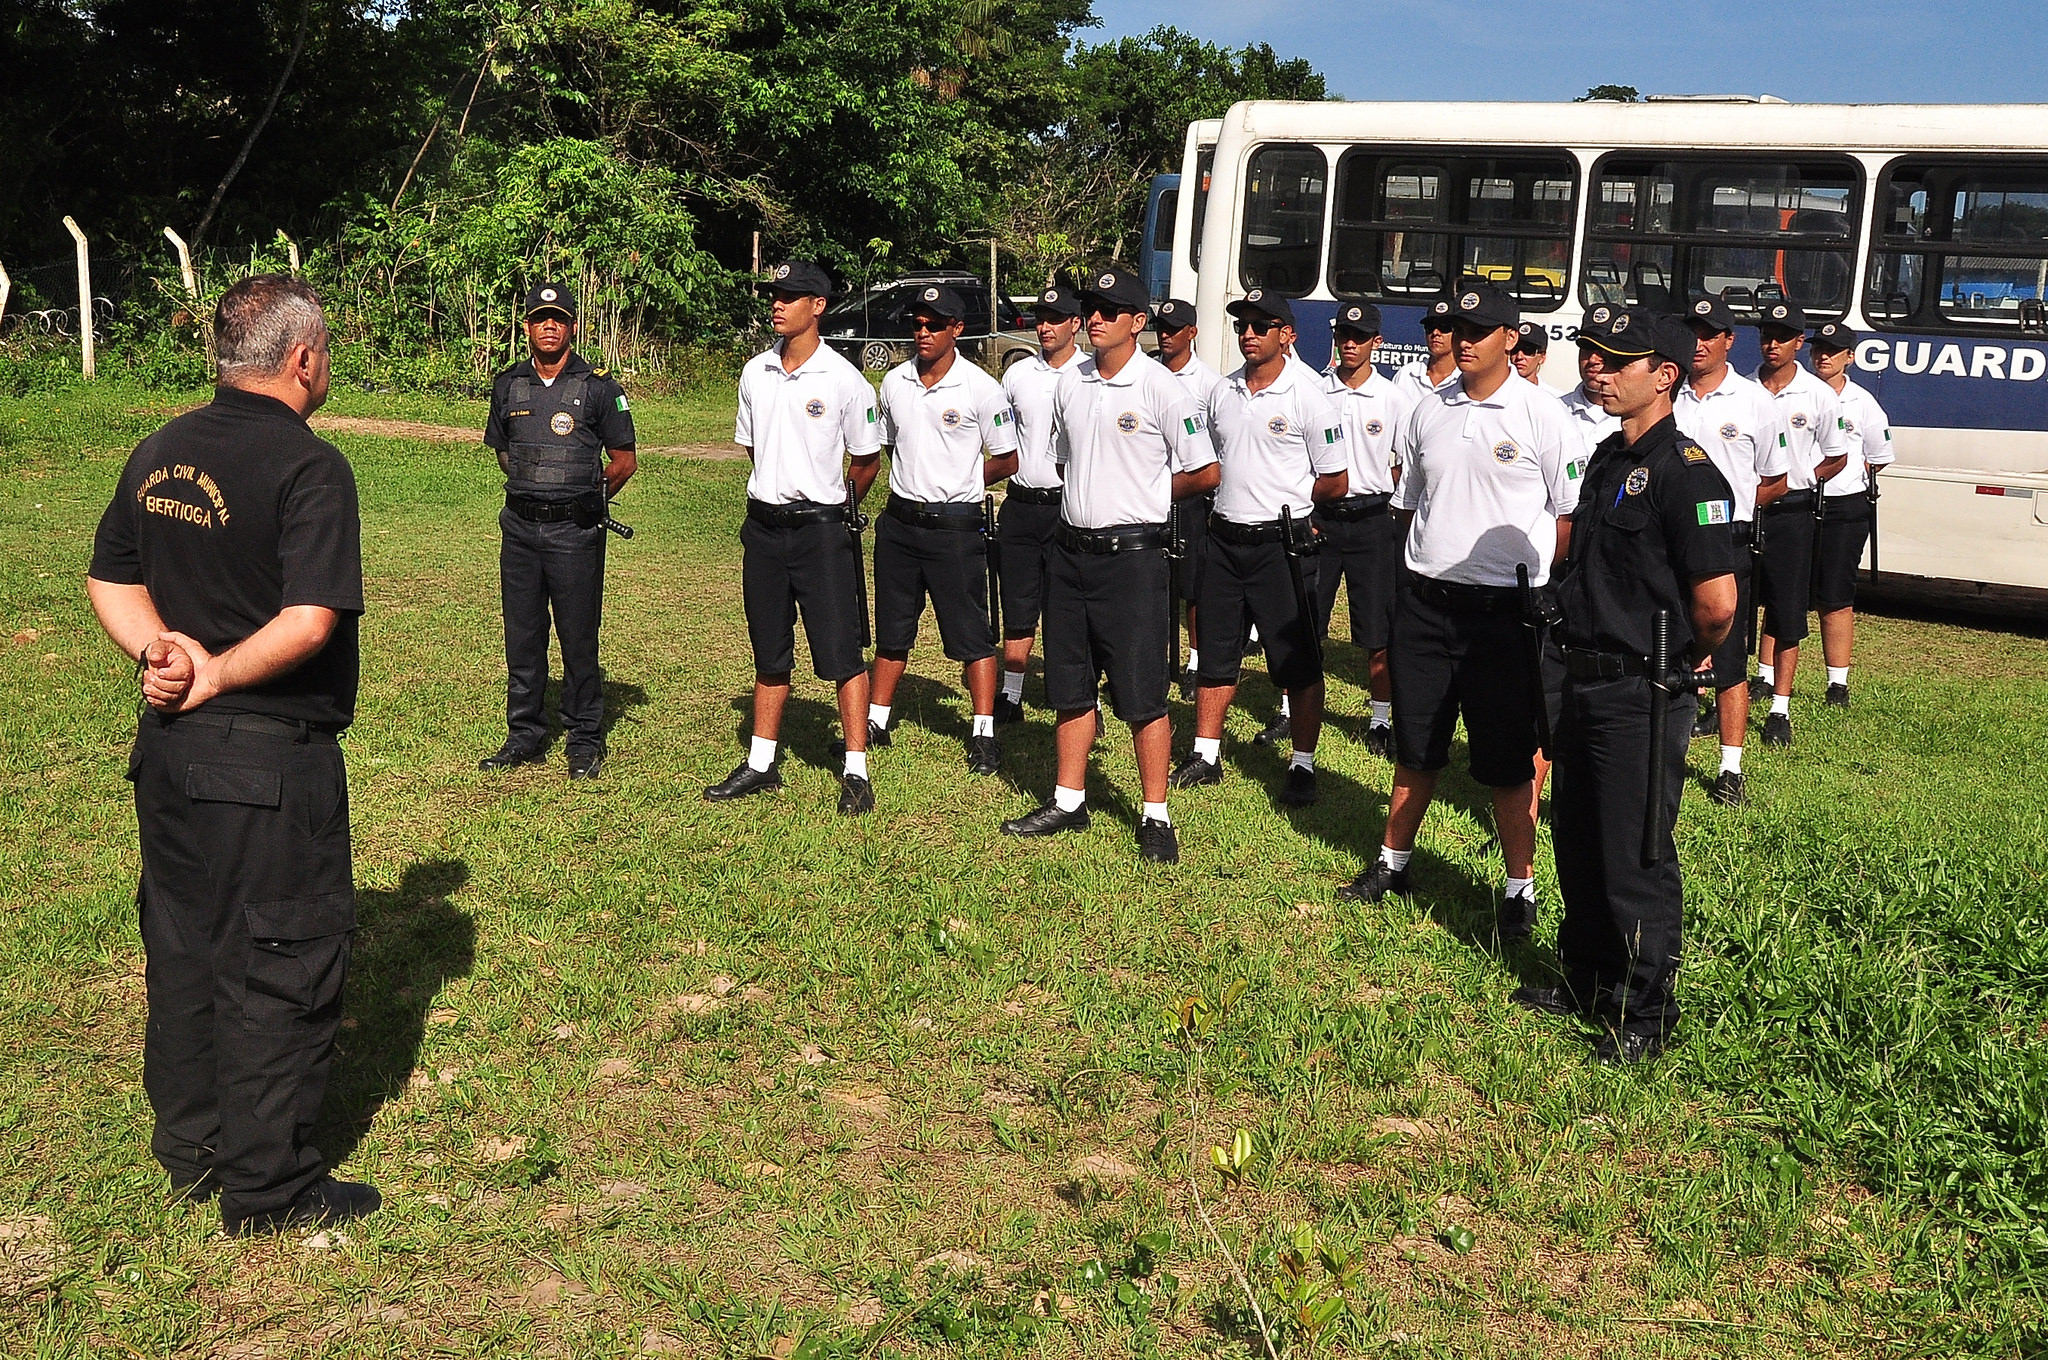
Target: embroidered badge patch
[[561, 422], [1712, 512], [1729, 431], [1799, 420], [1637, 481], [950, 419], [1277, 425], [1373, 427], [1505, 451], [1128, 422], [814, 408]]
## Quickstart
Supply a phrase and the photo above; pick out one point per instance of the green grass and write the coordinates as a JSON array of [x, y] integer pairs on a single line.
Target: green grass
[[639, 1073]]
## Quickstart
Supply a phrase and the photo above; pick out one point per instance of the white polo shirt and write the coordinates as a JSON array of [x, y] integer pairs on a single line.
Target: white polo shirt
[[1375, 417], [1867, 433], [1591, 421], [1812, 416], [1120, 440], [1273, 443], [1414, 376], [1030, 384], [1488, 481], [935, 434], [800, 424], [1198, 378], [1738, 425]]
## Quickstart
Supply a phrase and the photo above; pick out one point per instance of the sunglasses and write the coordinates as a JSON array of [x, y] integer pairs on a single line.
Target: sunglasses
[[928, 326], [1349, 336], [1110, 311], [1257, 325]]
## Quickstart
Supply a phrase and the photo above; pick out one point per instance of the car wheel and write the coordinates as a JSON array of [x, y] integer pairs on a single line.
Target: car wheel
[[876, 357]]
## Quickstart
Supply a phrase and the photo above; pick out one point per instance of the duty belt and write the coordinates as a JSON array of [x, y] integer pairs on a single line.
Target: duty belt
[[1115, 539], [1458, 598], [1035, 495], [1583, 663], [251, 724], [790, 514], [1792, 500], [1355, 507], [1265, 531], [540, 512], [962, 515]]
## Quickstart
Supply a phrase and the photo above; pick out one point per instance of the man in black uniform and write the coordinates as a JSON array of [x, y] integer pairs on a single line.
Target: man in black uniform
[[1651, 534], [564, 438], [229, 567]]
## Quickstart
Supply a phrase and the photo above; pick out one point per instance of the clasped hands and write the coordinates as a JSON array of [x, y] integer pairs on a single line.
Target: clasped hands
[[178, 674]]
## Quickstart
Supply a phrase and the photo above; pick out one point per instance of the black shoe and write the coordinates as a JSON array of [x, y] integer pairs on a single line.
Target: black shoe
[[984, 755], [744, 779], [1777, 730], [586, 764], [1515, 918], [1837, 696], [1760, 689], [1379, 740], [1708, 723], [1047, 821], [1274, 732], [856, 795], [326, 1201], [1627, 1048], [1009, 710], [1157, 843], [1187, 685], [510, 756], [1548, 1001], [1376, 882], [1300, 788], [1729, 790], [1194, 772]]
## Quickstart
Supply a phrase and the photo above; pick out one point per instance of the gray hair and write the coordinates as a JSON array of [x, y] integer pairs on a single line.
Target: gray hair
[[260, 319]]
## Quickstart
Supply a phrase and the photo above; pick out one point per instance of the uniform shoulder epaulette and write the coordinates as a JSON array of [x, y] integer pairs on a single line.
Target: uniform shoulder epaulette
[[601, 371], [1691, 452]]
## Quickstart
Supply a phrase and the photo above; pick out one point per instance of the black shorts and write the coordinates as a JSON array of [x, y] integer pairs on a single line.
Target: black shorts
[[1108, 613], [1359, 554], [914, 560], [1785, 583], [1249, 583], [809, 567], [1843, 535], [1191, 517], [1731, 658], [1024, 538], [1445, 663]]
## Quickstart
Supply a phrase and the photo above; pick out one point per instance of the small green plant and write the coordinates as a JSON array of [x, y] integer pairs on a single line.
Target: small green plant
[[1232, 1163]]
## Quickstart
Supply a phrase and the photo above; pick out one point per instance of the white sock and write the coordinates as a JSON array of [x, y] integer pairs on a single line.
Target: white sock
[[1764, 673], [1209, 749], [1302, 760], [1382, 712], [1521, 887], [984, 724], [1731, 760], [1286, 709], [1013, 686], [857, 763], [878, 714], [1781, 703], [1069, 800], [1395, 859], [761, 754], [1838, 675], [1155, 812], [1194, 658]]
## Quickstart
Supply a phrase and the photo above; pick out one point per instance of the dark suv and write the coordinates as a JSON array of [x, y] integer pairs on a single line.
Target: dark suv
[[873, 328]]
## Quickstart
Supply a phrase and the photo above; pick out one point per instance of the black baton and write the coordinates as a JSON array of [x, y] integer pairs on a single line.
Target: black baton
[[855, 522], [1871, 491], [1756, 590], [993, 551], [1307, 607], [622, 530], [1820, 524], [1532, 619], [1176, 553], [1660, 706]]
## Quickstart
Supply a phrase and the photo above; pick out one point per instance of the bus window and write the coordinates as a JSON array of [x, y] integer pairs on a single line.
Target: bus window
[[1283, 219], [1162, 225], [1205, 163], [1408, 228], [1664, 230], [1961, 247]]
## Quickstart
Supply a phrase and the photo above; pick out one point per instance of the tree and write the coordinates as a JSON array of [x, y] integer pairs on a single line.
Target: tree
[[1616, 94]]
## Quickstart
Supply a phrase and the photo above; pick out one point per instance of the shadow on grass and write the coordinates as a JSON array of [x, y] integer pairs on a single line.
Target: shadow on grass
[[810, 728], [409, 944], [618, 697]]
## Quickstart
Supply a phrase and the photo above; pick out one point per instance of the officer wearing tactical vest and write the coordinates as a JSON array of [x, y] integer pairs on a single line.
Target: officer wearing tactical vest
[[1649, 538], [564, 437]]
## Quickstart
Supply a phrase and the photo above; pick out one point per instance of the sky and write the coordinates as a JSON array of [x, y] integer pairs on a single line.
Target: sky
[[1841, 51]]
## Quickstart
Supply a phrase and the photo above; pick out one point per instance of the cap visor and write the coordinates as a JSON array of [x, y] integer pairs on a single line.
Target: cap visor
[[550, 309], [1616, 351]]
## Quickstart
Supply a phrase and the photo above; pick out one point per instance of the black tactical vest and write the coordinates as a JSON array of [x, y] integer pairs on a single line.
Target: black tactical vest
[[554, 447]]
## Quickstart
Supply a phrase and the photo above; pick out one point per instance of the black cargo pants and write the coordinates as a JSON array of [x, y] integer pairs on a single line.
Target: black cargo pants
[[248, 905], [553, 567]]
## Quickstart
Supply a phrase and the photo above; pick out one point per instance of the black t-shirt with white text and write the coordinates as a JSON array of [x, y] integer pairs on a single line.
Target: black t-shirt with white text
[[228, 515]]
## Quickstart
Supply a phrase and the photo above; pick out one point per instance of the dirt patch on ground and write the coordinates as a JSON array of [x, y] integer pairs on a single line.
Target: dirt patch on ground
[[464, 434]]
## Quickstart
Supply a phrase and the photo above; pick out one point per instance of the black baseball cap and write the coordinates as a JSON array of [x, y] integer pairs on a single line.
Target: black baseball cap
[[550, 297], [1061, 300], [1532, 338], [1173, 314], [1782, 313], [1357, 316], [1628, 333], [798, 277], [1259, 302], [937, 300], [1438, 317], [1834, 335], [1118, 287], [1711, 311], [1479, 303], [1599, 322]]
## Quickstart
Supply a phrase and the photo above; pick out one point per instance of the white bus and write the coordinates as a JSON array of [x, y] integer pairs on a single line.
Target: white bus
[[1197, 156], [1924, 227]]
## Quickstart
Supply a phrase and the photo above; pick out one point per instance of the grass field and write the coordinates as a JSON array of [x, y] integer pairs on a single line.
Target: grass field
[[638, 1074]]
